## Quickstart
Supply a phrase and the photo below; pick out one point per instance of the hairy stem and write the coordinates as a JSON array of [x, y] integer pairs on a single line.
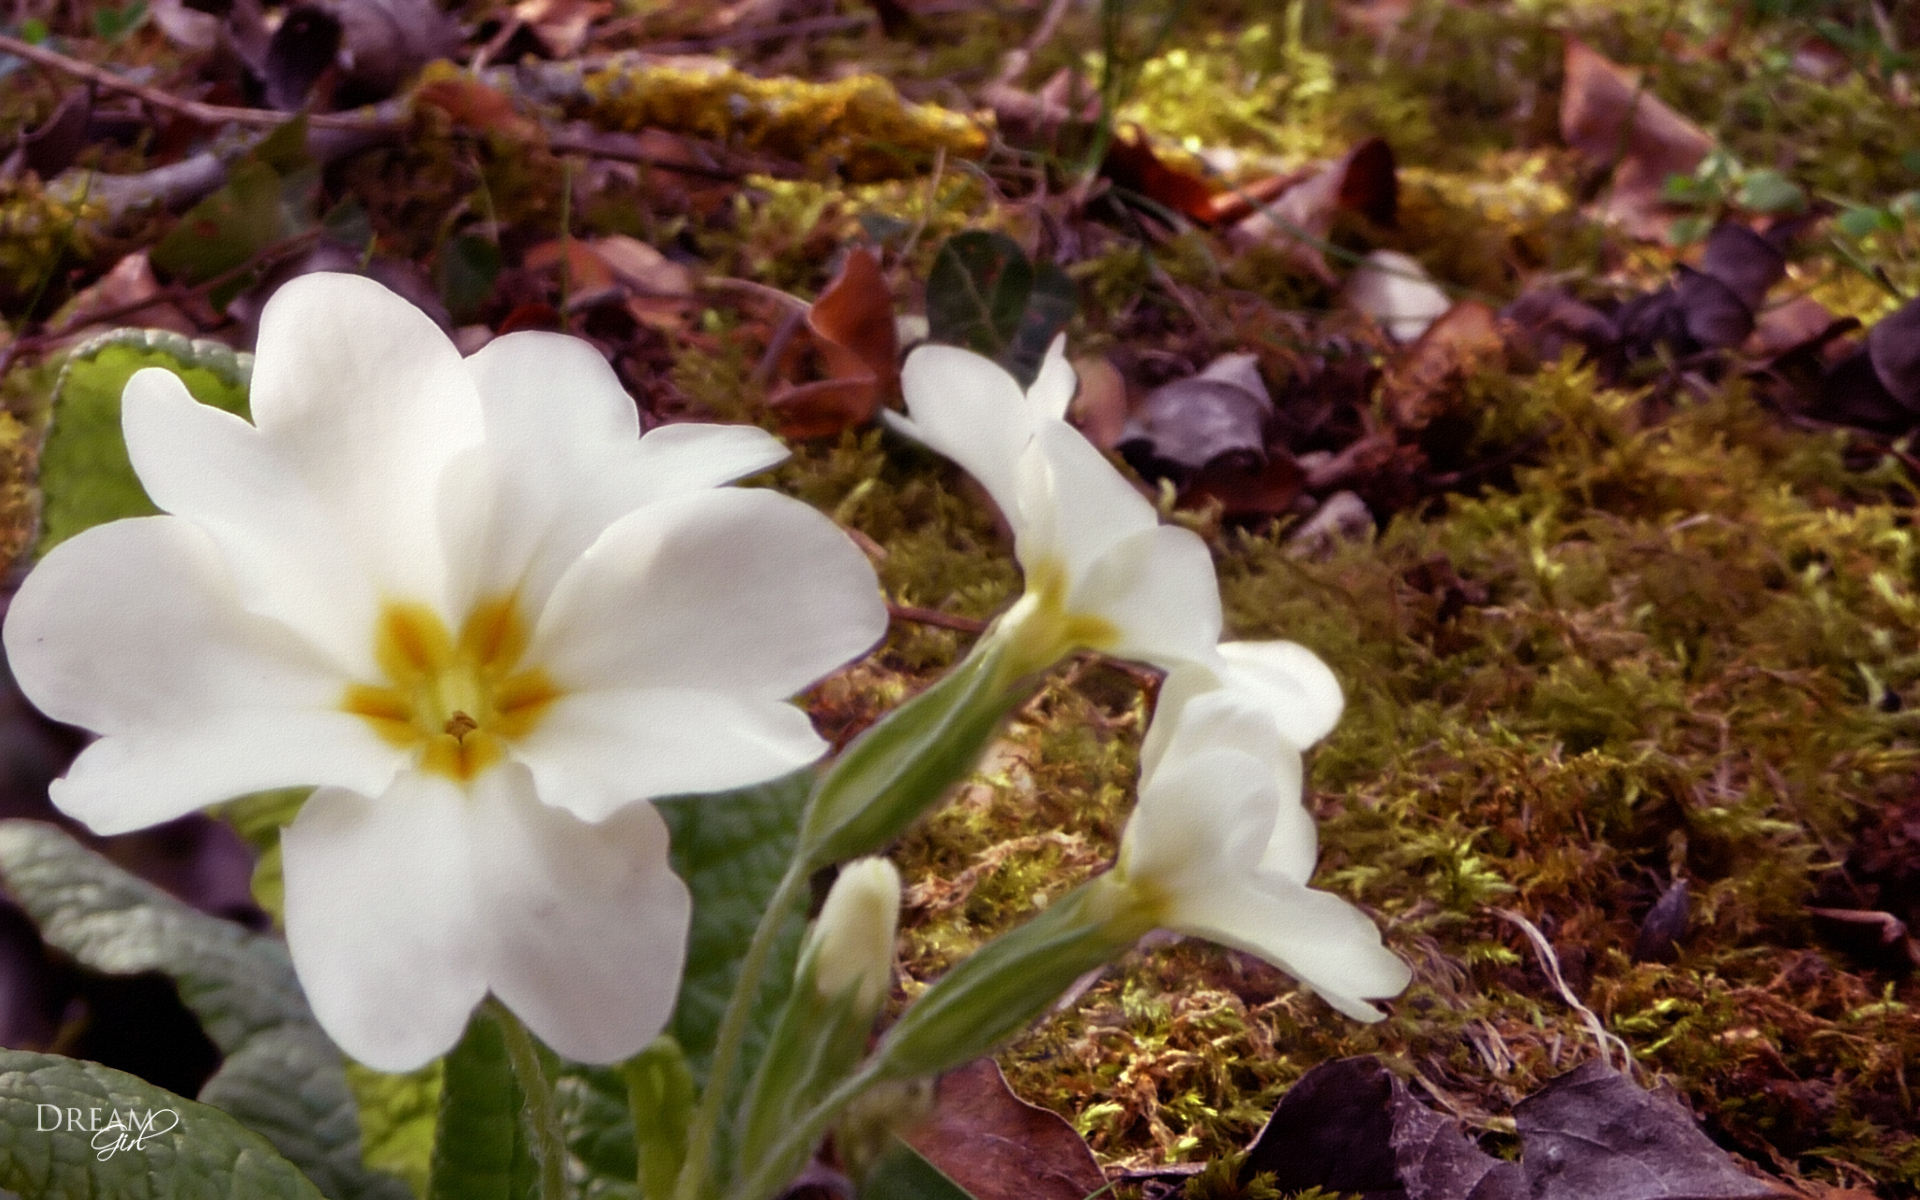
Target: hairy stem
[[733, 1028], [543, 1120]]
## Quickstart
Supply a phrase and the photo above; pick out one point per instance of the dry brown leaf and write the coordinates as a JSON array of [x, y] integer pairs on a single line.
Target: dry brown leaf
[[561, 25], [999, 1147], [129, 282], [1612, 121], [1415, 388], [1099, 408], [852, 324], [1788, 326], [473, 105], [1363, 181]]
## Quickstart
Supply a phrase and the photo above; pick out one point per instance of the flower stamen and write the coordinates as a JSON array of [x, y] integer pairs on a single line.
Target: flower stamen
[[460, 700]]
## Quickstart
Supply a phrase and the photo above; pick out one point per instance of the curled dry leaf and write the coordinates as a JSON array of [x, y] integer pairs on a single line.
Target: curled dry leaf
[[852, 324], [303, 48], [1351, 1126], [1665, 926], [473, 105], [1421, 383], [1132, 164], [1099, 408], [1610, 118], [561, 25], [1187, 425], [1364, 181], [999, 1147]]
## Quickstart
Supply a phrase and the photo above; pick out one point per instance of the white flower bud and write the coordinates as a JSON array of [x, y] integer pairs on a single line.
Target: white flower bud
[[853, 939]]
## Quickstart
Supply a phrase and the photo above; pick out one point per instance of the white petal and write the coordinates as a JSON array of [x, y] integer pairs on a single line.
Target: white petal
[[132, 780], [1157, 589], [1291, 681], [1053, 387], [733, 590], [1074, 506], [970, 409], [1200, 819], [693, 456], [585, 926], [137, 623], [382, 919], [290, 555], [1318, 938], [594, 752], [543, 390]]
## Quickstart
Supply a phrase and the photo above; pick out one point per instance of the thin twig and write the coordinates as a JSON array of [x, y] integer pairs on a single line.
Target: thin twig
[[208, 114], [933, 616], [767, 33]]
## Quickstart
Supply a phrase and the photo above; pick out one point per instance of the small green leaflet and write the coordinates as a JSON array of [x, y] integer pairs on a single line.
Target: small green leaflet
[[985, 295]]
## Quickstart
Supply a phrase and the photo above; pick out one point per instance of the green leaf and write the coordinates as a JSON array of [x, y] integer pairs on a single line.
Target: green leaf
[[1050, 305], [464, 272], [977, 292], [206, 1153], [1858, 223], [1770, 192], [480, 1151], [258, 819], [84, 473], [397, 1118], [270, 195], [731, 850], [660, 1105], [903, 1173], [282, 1076]]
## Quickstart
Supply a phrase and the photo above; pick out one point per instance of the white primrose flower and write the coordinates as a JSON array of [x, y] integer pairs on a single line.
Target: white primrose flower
[[484, 617], [1221, 847], [1101, 571]]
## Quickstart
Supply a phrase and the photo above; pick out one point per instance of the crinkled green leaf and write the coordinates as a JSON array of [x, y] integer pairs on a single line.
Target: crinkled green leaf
[[84, 473], [281, 1075], [480, 1150], [204, 1156], [397, 1118], [732, 849]]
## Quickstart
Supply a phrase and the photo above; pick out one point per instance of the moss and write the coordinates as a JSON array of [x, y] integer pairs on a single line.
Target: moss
[[38, 230], [858, 124]]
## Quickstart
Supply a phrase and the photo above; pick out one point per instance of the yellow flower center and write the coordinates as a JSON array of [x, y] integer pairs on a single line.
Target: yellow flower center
[[1042, 630], [458, 701]]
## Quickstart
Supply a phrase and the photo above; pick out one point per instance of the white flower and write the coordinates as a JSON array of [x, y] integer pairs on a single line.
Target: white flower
[[1101, 571], [467, 602], [1221, 847]]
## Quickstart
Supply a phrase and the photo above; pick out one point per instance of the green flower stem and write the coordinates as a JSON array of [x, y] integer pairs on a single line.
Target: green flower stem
[[772, 1175], [733, 1028], [543, 1119]]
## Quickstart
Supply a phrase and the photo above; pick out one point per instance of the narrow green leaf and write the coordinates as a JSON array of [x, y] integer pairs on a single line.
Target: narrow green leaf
[[660, 1103], [84, 473], [903, 1173], [480, 1151], [203, 1153], [731, 850], [977, 292], [282, 1076]]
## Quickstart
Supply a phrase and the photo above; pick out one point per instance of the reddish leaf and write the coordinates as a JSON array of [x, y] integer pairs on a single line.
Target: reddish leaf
[[1132, 164], [999, 1147], [1364, 181], [473, 105], [1615, 123], [1417, 386], [852, 324]]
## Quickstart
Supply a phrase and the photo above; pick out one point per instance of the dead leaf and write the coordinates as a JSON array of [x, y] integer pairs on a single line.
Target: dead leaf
[[1187, 425], [1418, 386], [1544, 322], [1612, 121], [129, 282], [303, 48], [476, 106], [1665, 926], [1364, 181], [999, 1147], [1789, 326], [852, 324], [51, 147], [561, 25], [1743, 260], [586, 272], [1099, 408], [1595, 1133], [1894, 346], [1332, 1130], [1132, 164], [185, 27], [1438, 1161], [384, 42]]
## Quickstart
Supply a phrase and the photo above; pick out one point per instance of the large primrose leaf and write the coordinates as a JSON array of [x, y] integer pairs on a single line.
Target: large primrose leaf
[[732, 849], [84, 473], [194, 1152], [282, 1076], [481, 1150]]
